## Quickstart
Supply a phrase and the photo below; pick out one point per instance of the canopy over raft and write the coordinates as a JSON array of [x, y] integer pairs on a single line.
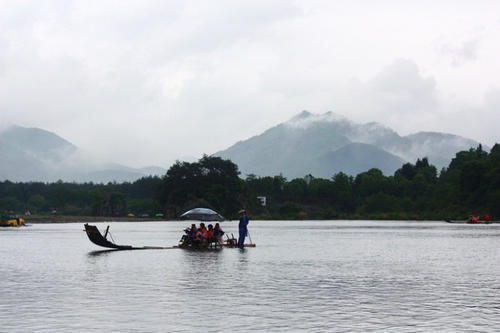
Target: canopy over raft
[[202, 214]]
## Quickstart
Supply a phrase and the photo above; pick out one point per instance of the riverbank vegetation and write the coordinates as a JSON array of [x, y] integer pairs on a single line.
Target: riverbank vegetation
[[470, 185]]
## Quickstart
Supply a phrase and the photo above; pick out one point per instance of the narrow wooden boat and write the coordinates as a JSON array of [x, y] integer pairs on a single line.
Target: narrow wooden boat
[[97, 238], [468, 222]]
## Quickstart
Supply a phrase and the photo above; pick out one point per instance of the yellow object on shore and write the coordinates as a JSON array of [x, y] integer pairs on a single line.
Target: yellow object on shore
[[12, 222]]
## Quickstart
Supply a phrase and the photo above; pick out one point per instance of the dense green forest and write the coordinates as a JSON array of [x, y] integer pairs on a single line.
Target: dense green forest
[[470, 185]]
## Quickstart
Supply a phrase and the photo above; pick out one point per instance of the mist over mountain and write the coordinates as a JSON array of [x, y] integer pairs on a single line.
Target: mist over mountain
[[317, 144], [328, 143], [33, 154]]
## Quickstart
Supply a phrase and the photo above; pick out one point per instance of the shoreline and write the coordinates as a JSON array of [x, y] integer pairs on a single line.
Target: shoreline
[[40, 219], [84, 219]]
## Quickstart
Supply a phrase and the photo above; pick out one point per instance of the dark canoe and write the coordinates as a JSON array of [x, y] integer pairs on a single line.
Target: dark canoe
[[97, 238], [467, 222]]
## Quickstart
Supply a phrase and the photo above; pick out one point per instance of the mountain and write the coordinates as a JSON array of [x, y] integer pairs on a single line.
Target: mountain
[[440, 148], [317, 144], [328, 143], [37, 143], [353, 159], [284, 149], [33, 154]]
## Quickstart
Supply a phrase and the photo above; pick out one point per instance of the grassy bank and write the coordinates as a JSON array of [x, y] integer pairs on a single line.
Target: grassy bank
[[85, 219], [90, 219]]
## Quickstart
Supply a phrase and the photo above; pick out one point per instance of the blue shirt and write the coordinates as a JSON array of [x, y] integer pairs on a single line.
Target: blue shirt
[[243, 223]]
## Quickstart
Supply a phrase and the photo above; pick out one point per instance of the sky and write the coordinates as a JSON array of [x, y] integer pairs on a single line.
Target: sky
[[148, 82]]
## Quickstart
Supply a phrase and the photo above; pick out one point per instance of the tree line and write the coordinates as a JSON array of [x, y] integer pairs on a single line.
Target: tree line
[[469, 185]]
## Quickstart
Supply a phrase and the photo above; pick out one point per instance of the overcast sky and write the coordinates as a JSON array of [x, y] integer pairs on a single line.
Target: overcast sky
[[147, 82]]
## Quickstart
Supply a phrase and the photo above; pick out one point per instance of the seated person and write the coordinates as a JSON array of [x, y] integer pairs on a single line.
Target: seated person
[[210, 233], [189, 235], [192, 232], [218, 233], [202, 233]]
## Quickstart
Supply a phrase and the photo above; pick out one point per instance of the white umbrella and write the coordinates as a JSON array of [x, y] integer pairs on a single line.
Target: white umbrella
[[202, 214]]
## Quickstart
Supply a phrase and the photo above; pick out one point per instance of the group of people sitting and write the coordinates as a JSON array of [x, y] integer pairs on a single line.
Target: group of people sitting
[[203, 235], [476, 219]]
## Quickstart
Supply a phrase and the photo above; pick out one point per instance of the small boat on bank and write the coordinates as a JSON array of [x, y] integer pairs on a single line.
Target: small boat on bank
[[11, 221], [475, 219], [96, 237], [469, 222]]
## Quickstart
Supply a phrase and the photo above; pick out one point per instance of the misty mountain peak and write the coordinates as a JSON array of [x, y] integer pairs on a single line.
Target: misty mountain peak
[[37, 142], [306, 119], [323, 144], [34, 154], [34, 138], [301, 116]]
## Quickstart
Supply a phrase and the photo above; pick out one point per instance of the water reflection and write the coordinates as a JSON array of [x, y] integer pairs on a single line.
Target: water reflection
[[100, 253]]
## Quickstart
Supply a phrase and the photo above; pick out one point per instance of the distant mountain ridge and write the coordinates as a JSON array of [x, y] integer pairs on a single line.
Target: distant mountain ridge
[[327, 143], [34, 154], [37, 142], [308, 143]]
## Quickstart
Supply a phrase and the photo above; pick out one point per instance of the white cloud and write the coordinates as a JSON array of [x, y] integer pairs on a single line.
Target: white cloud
[[479, 121], [467, 51], [145, 82], [398, 96]]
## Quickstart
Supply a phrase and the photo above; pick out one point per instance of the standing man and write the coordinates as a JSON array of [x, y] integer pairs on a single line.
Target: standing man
[[242, 226]]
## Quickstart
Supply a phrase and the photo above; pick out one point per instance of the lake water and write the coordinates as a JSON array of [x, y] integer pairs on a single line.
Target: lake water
[[317, 276]]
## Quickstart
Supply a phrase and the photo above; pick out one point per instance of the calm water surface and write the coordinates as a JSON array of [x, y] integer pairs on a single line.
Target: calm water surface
[[328, 276]]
